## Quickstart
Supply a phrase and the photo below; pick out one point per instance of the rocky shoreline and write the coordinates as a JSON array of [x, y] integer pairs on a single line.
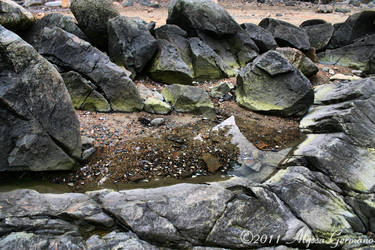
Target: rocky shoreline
[[306, 188]]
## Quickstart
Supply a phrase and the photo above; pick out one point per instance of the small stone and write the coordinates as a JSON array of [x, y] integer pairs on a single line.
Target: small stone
[[88, 153], [157, 122], [53, 4], [279, 14], [221, 89], [213, 164], [357, 72], [331, 71], [342, 77]]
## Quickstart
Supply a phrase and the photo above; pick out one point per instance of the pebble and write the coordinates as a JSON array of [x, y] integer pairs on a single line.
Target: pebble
[[157, 122], [331, 71]]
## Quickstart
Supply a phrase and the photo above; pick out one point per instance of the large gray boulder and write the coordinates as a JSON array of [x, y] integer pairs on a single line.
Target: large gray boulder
[[74, 54], [262, 38], [93, 17], [358, 55], [168, 65], [356, 26], [319, 34], [299, 60], [14, 17], [201, 15], [34, 34], [130, 43], [39, 129], [189, 99], [272, 84], [286, 34]]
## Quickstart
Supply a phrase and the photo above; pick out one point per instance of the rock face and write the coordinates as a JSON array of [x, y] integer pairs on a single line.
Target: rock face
[[356, 26], [272, 84], [263, 39], [342, 141], [70, 52], [168, 65], [93, 17], [319, 34], [189, 99], [201, 15], [286, 34], [34, 34], [83, 93], [300, 61], [14, 17], [358, 55], [39, 129], [130, 43]]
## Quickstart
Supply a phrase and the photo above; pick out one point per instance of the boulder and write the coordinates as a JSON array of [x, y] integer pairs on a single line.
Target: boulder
[[201, 15], [83, 93], [299, 60], [356, 26], [39, 128], [74, 54], [189, 99], [206, 62], [93, 17], [156, 106], [243, 48], [179, 38], [286, 34], [14, 17], [262, 38], [168, 65], [130, 43], [34, 34], [359, 55], [146, 93], [319, 35], [271, 84]]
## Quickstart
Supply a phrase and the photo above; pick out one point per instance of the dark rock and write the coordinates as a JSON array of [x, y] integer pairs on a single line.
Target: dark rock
[[286, 34], [201, 15], [178, 37], [14, 17], [356, 26], [34, 34], [300, 61], [189, 99], [130, 43], [263, 39], [324, 8], [207, 64], [272, 84], [83, 93], [144, 121], [243, 47], [360, 55], [72, 53], [169, 67], [342, 10], [312, 22], [40, 130], [93, 17], [319, 35], [219, 90]]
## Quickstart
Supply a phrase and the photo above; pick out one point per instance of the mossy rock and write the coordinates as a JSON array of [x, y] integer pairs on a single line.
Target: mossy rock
[[157, 106]]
